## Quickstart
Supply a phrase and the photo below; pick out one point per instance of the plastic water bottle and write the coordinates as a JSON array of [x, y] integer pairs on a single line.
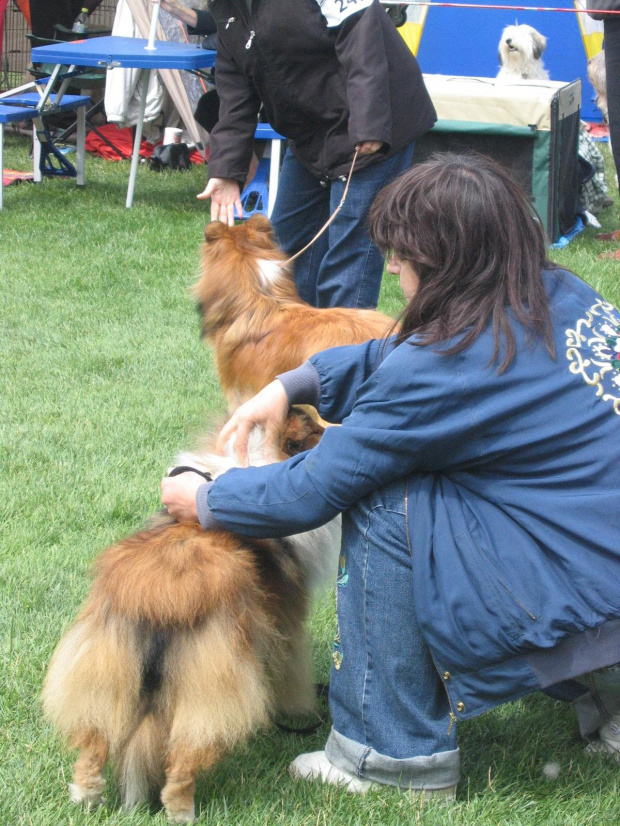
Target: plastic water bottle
[[80, 23]]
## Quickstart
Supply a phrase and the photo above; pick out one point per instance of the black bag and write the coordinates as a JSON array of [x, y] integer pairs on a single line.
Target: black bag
[[170, 156]]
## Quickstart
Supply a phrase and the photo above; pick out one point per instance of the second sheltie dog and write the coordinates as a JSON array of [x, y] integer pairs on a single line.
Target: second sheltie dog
[[188, 643], [252, 315]]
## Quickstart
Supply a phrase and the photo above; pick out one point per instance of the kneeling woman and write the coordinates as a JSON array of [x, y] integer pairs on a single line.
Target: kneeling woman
[[477, 468]]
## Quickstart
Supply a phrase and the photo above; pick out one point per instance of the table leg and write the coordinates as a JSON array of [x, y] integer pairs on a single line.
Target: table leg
[[138, 139], [80, 145], [37, 124]]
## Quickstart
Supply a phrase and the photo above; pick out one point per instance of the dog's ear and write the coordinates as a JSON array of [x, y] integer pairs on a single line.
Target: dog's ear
[[259, 232], [260, 223], [215, 230], [540, 44]]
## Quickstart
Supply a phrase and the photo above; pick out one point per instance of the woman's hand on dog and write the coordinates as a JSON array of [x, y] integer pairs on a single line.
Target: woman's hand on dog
[[178, 494], [225, 196], [267, 410]]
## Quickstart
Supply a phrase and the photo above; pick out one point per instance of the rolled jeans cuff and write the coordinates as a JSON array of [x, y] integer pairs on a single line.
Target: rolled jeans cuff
[[436, 771], [595, 708]]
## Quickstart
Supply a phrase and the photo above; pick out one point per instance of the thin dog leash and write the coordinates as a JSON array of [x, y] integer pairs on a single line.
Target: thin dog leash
[[331, 217]]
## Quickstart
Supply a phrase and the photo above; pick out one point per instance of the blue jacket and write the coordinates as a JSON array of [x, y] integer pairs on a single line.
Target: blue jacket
[[513, 488]]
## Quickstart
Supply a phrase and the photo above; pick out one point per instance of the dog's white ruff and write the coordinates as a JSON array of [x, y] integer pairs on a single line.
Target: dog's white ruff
[[269, 272]]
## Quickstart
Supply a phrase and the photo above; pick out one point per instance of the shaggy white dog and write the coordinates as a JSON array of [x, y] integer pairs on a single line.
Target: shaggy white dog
[[520, 54]]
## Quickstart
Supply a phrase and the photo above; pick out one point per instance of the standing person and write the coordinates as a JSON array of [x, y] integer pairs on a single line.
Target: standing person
[[611, 29], [199, 22], [332, 76], [477, 467]]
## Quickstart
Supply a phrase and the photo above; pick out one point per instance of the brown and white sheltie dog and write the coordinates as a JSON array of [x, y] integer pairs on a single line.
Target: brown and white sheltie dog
[[188, 643], [253, 316]]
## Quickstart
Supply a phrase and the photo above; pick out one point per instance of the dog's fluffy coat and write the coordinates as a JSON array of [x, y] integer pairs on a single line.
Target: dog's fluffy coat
[[187, 644], [520, 52], [252, 315]]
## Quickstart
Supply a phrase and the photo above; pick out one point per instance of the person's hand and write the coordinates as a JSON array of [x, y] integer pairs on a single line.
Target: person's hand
[[225, 196], [268, 409], [368, 147], [178, 494]]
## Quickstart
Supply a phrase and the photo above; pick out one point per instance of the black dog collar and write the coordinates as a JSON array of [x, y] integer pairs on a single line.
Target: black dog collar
[[187, 469]]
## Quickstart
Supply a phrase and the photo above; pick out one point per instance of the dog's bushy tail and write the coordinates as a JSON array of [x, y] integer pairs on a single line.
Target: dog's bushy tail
[[141, 766]]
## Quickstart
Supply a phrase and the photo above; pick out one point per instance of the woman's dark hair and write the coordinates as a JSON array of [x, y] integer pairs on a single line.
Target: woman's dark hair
[[478, 249]]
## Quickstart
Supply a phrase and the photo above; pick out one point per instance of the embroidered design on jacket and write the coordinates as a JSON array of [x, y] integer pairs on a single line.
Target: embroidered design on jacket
[[593, 350], [336, 12]]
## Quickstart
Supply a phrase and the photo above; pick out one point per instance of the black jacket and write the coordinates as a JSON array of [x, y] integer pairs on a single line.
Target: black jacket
[[324, 88]]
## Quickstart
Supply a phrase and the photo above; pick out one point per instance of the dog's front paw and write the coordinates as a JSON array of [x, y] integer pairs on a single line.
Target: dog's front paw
[[89, 797]]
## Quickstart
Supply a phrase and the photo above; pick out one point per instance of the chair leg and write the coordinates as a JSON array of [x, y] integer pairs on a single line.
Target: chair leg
[[36, 154], [94, 110], [92, 128]]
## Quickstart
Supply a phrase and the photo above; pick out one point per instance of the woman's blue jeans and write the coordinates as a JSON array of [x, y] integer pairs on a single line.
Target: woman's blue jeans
[[390, 711], [343, 268]]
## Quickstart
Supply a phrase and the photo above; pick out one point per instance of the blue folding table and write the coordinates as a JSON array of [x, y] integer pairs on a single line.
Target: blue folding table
[[129, 53]]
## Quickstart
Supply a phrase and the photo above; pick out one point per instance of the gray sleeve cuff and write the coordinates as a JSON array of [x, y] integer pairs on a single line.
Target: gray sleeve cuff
[[302, 385], [205, 517]]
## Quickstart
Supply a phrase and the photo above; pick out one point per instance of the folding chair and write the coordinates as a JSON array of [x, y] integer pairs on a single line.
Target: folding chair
[[260, 194]]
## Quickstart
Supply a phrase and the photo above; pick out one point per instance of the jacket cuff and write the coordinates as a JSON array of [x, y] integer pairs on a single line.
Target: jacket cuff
[[204, 25], [302, 385], [205, 517]]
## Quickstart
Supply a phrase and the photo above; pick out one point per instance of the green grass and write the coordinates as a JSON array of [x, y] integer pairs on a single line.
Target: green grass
[[103, 379]]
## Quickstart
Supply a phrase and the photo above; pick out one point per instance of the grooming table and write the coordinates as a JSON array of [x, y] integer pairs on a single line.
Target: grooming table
[[129, 53]]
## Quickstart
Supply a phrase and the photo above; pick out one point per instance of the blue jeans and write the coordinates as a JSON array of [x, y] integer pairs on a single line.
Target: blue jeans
[[343, 268], [390, 711]]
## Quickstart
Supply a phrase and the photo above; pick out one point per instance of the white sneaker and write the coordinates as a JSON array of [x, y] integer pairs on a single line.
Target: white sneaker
[[315, 766], [609, 739]]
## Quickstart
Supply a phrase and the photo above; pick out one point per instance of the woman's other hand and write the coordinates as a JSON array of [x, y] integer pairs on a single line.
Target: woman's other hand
[[268, 410], [178, 494]]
